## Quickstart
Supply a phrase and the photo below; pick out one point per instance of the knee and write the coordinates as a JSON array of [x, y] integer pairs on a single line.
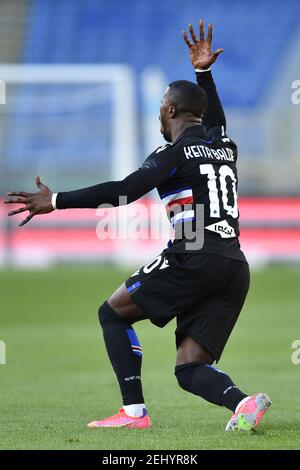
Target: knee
[[184, 375], [180, 378], [191, 352], [107, 315]]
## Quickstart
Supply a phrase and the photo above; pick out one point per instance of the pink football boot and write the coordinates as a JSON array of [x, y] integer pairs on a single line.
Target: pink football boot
[[249, 413], [122, 420]]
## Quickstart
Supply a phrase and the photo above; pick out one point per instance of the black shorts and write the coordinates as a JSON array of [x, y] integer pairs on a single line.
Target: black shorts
[[204, 292]]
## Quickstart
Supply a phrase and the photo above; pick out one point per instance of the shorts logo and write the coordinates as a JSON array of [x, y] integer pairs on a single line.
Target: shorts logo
[[159, 261], [223, 229], [164, 264]]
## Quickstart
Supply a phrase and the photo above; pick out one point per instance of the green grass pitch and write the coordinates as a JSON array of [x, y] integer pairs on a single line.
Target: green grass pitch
[[58, 378]]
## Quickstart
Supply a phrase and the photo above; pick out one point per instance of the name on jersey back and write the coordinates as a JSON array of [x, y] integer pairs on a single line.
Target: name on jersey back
[[201, 151]]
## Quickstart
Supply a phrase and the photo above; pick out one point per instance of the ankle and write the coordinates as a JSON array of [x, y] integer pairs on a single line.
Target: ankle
[[136, 410]]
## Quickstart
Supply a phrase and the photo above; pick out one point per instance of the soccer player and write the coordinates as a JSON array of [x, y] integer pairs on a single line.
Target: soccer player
[[203, 285]]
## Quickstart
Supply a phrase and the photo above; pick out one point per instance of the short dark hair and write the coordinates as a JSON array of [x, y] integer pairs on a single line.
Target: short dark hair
[[188, 97]]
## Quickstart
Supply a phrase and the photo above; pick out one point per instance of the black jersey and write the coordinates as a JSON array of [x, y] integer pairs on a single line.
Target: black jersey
[[199, 168]]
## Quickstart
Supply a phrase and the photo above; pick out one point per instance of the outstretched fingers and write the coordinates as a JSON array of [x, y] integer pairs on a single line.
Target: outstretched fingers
[[28, 218], [201, 27], [209, 34], [27, 207], [18, 193], [217, 53], [18, 211], [38, 183], [193, 36], [20, 197], [186, 39], [35, 203], [202, 34], [192, 33], [16, 200]]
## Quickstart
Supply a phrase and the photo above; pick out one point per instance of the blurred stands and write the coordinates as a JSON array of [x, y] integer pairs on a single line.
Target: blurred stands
[[13, 18], [255, 35]]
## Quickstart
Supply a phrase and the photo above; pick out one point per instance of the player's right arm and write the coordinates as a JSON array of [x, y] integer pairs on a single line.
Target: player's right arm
[[202, 57], [155, 169]]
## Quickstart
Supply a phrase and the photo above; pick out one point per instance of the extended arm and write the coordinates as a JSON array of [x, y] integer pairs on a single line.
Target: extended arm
[[214, 115], [202, 57], [147, 177], [132, 187]]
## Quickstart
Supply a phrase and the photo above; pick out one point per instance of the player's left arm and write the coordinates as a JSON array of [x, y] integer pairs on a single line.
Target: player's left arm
[[202, 57]]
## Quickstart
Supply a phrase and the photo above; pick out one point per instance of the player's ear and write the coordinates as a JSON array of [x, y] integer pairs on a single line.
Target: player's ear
[[172, 112]]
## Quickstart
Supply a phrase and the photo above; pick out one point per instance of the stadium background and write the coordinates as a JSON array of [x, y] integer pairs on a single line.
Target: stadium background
[[83, 85]]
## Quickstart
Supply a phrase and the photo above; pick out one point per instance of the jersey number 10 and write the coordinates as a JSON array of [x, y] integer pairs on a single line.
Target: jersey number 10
[[220, 174]]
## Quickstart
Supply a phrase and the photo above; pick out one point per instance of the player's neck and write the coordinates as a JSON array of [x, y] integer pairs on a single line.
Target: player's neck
[[179, 127]]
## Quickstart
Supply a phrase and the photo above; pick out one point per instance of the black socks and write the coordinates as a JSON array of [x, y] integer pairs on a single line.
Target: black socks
[[209, 383], [124, 352]]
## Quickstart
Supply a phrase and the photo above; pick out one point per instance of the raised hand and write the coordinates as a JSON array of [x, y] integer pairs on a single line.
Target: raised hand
[[201, 54], [35, 203]]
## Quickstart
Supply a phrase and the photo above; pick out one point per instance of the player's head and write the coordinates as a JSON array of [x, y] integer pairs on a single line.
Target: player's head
[[181, 100]]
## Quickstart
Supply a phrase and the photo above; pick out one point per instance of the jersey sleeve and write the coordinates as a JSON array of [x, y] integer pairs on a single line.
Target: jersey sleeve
[[155, 169], [214, 118]]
